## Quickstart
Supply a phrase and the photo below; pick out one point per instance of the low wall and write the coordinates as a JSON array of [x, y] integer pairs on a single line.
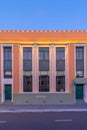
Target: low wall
[[43, 98]]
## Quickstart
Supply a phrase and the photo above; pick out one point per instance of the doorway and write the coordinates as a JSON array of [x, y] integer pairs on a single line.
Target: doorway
[[8, 92], [79, 91]]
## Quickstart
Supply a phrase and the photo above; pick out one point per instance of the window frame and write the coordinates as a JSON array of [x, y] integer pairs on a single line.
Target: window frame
[[7, 58], [80, 72], [60, 75], [46, 86], [45, 59], [60, 59], [27, 60], [24, 84]]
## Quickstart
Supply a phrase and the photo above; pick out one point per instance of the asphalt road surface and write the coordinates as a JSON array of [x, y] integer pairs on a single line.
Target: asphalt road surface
[[44, 121]]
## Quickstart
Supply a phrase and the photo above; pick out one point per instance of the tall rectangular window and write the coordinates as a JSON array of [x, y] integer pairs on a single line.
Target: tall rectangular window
[[44, 68], [60, 81], [27, 82], [79, 61], [60, 59], [27, 58], [27, 69], [60, 69], [7, 61], [44, 83], [43, 59]]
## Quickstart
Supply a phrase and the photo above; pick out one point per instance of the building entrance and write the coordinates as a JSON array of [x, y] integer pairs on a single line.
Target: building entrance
[[79, 91], [8, 92]]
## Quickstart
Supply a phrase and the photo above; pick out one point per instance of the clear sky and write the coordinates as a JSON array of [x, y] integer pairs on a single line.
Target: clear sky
[[43, 14]]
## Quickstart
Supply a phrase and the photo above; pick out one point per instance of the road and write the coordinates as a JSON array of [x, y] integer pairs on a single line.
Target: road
[[44, 121]]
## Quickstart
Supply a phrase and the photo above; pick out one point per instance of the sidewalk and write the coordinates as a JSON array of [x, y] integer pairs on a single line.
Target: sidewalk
[[42, 108]]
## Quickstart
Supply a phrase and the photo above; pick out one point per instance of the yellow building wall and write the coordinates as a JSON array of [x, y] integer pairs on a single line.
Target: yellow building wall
[[40, 38]]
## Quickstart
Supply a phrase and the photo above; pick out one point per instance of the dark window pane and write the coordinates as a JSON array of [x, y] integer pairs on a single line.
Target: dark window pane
[[60, 65], [60, 53], [44, 53], [8, 65], [27, 53], [60, 83], [60, 58], [79, 73], [41, 55], [79, 61], [44, 83], [43, 58], [27, 49], [7, 62], [27, 58], [27, 65], [79, 65], [44, 49], [44, 65], [79, 53], [27, 85]]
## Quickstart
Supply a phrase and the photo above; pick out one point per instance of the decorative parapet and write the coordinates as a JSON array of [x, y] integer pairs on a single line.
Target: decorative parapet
[[40, 36]]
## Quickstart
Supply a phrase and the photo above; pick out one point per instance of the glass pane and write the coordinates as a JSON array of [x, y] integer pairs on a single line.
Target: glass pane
[[60, 83], [46, 55], [27, 65], [27, 53], [44, 65], [7, 54], [43, 49], [25, 56], [79, 73], [43, 53], [60, 53], [40, 55], [44, 83], [79, 52], [7, 62], [27, 84]]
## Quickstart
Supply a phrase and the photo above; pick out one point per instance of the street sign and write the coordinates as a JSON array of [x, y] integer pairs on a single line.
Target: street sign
[[74, 83]]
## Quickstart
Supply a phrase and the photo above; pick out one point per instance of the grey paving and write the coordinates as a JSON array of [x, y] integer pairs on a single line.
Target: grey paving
[[9, 107]]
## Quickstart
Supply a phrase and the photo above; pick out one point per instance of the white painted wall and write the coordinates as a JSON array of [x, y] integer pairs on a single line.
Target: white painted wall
[[85, 93], [35, 67], [52, 61]]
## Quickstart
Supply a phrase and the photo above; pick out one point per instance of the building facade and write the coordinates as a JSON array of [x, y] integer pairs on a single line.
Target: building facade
[[43, 67]]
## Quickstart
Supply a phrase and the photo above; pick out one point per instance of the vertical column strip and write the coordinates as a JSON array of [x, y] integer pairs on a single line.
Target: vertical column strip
[[20, 68], [86, 60], [16, 68], [0, 69], [52, 68], [67, 68], [35, 68], [71, 66]]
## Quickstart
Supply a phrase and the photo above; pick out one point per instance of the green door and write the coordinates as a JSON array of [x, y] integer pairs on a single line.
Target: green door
[[79, 91], [8, 92]]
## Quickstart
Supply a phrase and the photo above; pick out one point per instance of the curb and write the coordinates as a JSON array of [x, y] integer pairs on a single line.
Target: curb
[[45, 110]]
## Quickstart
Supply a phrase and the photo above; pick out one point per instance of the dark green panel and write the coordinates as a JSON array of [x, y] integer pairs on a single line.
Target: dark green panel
[[79, 91], [8, 92]]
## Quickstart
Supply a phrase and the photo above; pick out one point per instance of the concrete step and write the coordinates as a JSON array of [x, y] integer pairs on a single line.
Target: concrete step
[[80, 101]]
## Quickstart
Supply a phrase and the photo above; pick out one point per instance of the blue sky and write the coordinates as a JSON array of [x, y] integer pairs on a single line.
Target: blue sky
[[43, 14]]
